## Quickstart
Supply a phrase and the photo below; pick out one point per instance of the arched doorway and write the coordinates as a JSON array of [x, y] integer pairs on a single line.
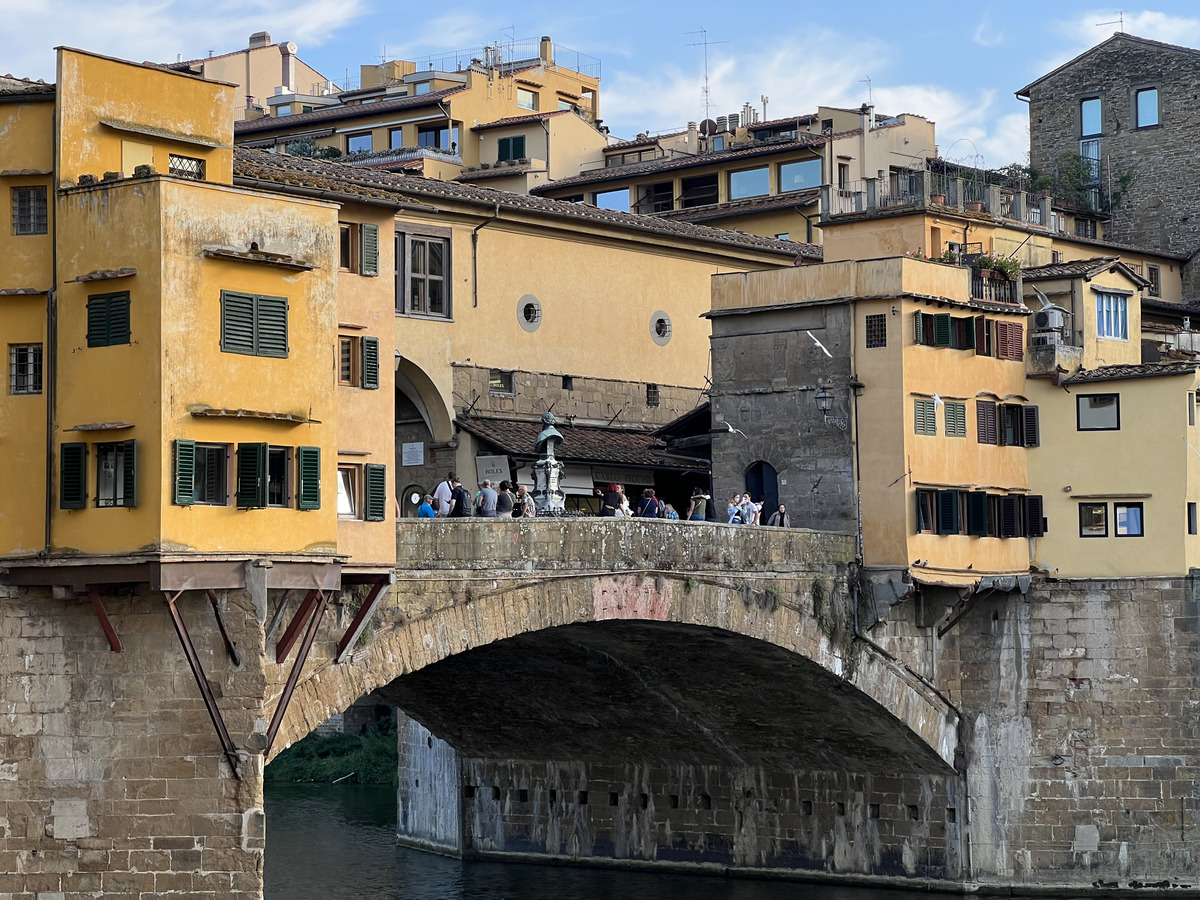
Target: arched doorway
[[762, 483], [410, 499]]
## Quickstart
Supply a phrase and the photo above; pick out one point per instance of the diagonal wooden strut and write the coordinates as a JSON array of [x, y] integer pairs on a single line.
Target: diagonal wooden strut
[[369, 604], [301, 658], [294, 627], [235, 656], [210, 702], [114, 642]]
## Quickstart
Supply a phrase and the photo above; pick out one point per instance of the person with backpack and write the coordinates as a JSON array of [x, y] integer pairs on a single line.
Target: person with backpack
[[460, 499]]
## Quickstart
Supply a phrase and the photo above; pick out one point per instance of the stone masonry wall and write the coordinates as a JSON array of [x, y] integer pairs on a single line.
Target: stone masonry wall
[[112, 780]]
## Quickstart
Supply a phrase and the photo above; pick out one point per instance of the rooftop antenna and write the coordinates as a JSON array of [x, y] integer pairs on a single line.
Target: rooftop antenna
[[1119, 21], [705, 43], [870, 93]]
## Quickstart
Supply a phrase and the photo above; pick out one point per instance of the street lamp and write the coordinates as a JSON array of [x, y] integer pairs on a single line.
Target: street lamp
[[824, 401]]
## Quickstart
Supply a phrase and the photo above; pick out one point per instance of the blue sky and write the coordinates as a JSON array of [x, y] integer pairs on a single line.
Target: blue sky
[[958, 68]]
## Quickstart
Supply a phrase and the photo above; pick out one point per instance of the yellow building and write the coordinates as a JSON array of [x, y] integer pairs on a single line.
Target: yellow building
[[174, 341], [435, 117]]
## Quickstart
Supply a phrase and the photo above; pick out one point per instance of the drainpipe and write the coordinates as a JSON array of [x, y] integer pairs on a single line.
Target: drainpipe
[[546, 128], [50, 355], [475, 253]]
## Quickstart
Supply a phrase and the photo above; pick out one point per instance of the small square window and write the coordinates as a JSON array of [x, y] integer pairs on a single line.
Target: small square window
[[29, 210], [527, 99], [1146, 107], [185, 167], [876, 331], [500, 382], [25, 368], [1127, 520], [1098, 412], [510, 148], [652, 395], [349, 505], [1093, 520]]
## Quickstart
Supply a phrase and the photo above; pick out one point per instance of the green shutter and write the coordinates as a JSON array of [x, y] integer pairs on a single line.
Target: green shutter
[[118, 318], [924, 417], [376, 491], [251, 476], [518, 147], [1029, 426], [947, 512], [919, 336], [968, 327], [72, 482], [977, 514], [129, 472], [941, 330], [308, 473], [97, 321], [237, 323], [370, 363], [185, 472], [271, 326], [369, 250]]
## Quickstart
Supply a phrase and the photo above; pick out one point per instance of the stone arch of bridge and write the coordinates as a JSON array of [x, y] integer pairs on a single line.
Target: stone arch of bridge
[[778, 666]]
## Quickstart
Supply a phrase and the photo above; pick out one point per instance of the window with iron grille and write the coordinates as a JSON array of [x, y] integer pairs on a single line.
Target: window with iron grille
[[185, 167], [652, 395], [116, 474], [1154, 276], [876, 331], [25, 368], [29, 210]]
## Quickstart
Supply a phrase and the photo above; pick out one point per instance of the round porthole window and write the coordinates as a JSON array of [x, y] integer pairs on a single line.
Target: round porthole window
[[415, 498], [660, 328], [529, 312]]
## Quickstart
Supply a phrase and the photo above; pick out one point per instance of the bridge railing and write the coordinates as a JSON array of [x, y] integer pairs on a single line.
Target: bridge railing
[[594, 544]]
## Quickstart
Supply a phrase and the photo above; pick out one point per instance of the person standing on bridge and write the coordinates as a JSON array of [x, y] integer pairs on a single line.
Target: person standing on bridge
[[425, 510], [780, 518], [698, 508], [523, 505], [504, 501], [648, 507], [444, 493], [485, 505], [460, 500]]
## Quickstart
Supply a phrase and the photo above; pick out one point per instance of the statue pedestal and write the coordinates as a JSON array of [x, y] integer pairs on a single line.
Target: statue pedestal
[[547, 495]]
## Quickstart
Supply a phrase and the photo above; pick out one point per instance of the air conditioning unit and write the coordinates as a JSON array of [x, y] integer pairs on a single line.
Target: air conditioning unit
[[1045, 319], [1047, 339]]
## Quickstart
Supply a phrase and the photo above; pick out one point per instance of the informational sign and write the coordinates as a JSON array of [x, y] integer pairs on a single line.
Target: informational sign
[[412, 454], [494, 468], [614, 475]]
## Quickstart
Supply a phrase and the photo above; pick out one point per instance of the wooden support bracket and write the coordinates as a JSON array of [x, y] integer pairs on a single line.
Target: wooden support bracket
[[295, 626], [294, 675], [114, 642], [361, 618]]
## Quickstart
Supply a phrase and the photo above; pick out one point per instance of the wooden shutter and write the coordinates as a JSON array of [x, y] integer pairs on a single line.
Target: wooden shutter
[[924, 417], [251, 476], [370, 363], [1010, 521], [118, 318], [942, 330], [956, 419], [376, 491], [981, 337], [1029, 426], [97, 321], [947, 512], [129, 473], [72, 482], [1034, 524], [369, 250], [919, 329], [308, 474], [271, 326], [968, 329], [1010, 341], [185, 472], [985, 421], [977, 514], [237, 323]]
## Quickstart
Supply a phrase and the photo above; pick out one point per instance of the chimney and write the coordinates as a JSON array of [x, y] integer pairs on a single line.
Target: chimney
[[259, 39], [546, 51], [287, 52], [693, 138], [868, 114]]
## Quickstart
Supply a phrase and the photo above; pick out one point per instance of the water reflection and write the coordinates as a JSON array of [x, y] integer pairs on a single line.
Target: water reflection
[[333, 842]]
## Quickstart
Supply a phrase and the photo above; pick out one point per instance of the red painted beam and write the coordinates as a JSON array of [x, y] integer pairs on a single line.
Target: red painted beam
[[294, 675], [369, 604], [294, 627], [114, 642]]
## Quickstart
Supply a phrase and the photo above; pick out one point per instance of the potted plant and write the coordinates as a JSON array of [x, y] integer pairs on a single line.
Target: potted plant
[[937, 199], [1006, 267]]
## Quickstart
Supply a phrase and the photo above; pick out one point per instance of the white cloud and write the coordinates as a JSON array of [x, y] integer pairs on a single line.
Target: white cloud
[[1091, 28], [986, 33], [159, 31]]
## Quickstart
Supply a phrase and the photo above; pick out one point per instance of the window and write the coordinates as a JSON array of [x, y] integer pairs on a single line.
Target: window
[[422, 87], [801, 176], [438, 137], [527, 99], [1193, 400], [783, 236], [358, 143], [1085, 228], [843, 176], [396, 139], [510, 148], [424, 280], [116, 470], [347, 360], [254, 324], [348, 505], [500, 382], [1093, 520], [956, 419], [1191, 518], [1098, 412], [29, 210], [108, 319], [564, 105], [699, 191], [618, 200], [654, 198], [1089, 117], [1010, 340], [185, 167], [1145, 108], [212, 467], [876, 329], [1154, 276], [1112, 316], [925, 416], [358, 362], [358, 248], [652, 395], [985, 421], [346, 247], [944, 330], [263, 476], [926, 511], [750, 183], [278, 462], [1127, 520], [308, 478], [24, 368]]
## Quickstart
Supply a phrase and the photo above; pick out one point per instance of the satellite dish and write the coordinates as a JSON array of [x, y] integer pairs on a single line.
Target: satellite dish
[[708, 127]]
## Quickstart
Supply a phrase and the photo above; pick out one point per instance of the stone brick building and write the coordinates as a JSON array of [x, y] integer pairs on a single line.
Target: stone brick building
[[1128, 106]]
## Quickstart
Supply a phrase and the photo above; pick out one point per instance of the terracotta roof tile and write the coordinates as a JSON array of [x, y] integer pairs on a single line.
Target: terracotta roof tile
[[340, 113], [742, 207], [1075, 268], [11, 85], [1120, 373], [259, 168], [581, 443], [522, 120]]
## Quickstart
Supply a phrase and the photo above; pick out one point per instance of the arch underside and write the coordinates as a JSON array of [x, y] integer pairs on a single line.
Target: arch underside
[[657, 691]]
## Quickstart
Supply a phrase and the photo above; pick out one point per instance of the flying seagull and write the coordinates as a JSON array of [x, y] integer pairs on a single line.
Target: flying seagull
[[819, 344], [733, 430]]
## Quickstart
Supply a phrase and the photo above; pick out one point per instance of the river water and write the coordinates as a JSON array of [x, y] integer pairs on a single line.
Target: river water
[[340, 841]]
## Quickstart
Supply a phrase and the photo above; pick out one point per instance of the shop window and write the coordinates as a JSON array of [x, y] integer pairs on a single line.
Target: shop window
[[500, 382], [29, 210], [1098, 412], [253, 324]]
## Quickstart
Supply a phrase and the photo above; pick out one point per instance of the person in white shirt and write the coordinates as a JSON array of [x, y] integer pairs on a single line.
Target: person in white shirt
[[442, 495]]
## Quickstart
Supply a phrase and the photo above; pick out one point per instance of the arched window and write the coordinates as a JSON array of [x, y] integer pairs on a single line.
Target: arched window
[[762, 482]]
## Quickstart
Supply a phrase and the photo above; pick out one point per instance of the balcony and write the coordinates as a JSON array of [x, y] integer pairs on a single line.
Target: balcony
[[992, 287]]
